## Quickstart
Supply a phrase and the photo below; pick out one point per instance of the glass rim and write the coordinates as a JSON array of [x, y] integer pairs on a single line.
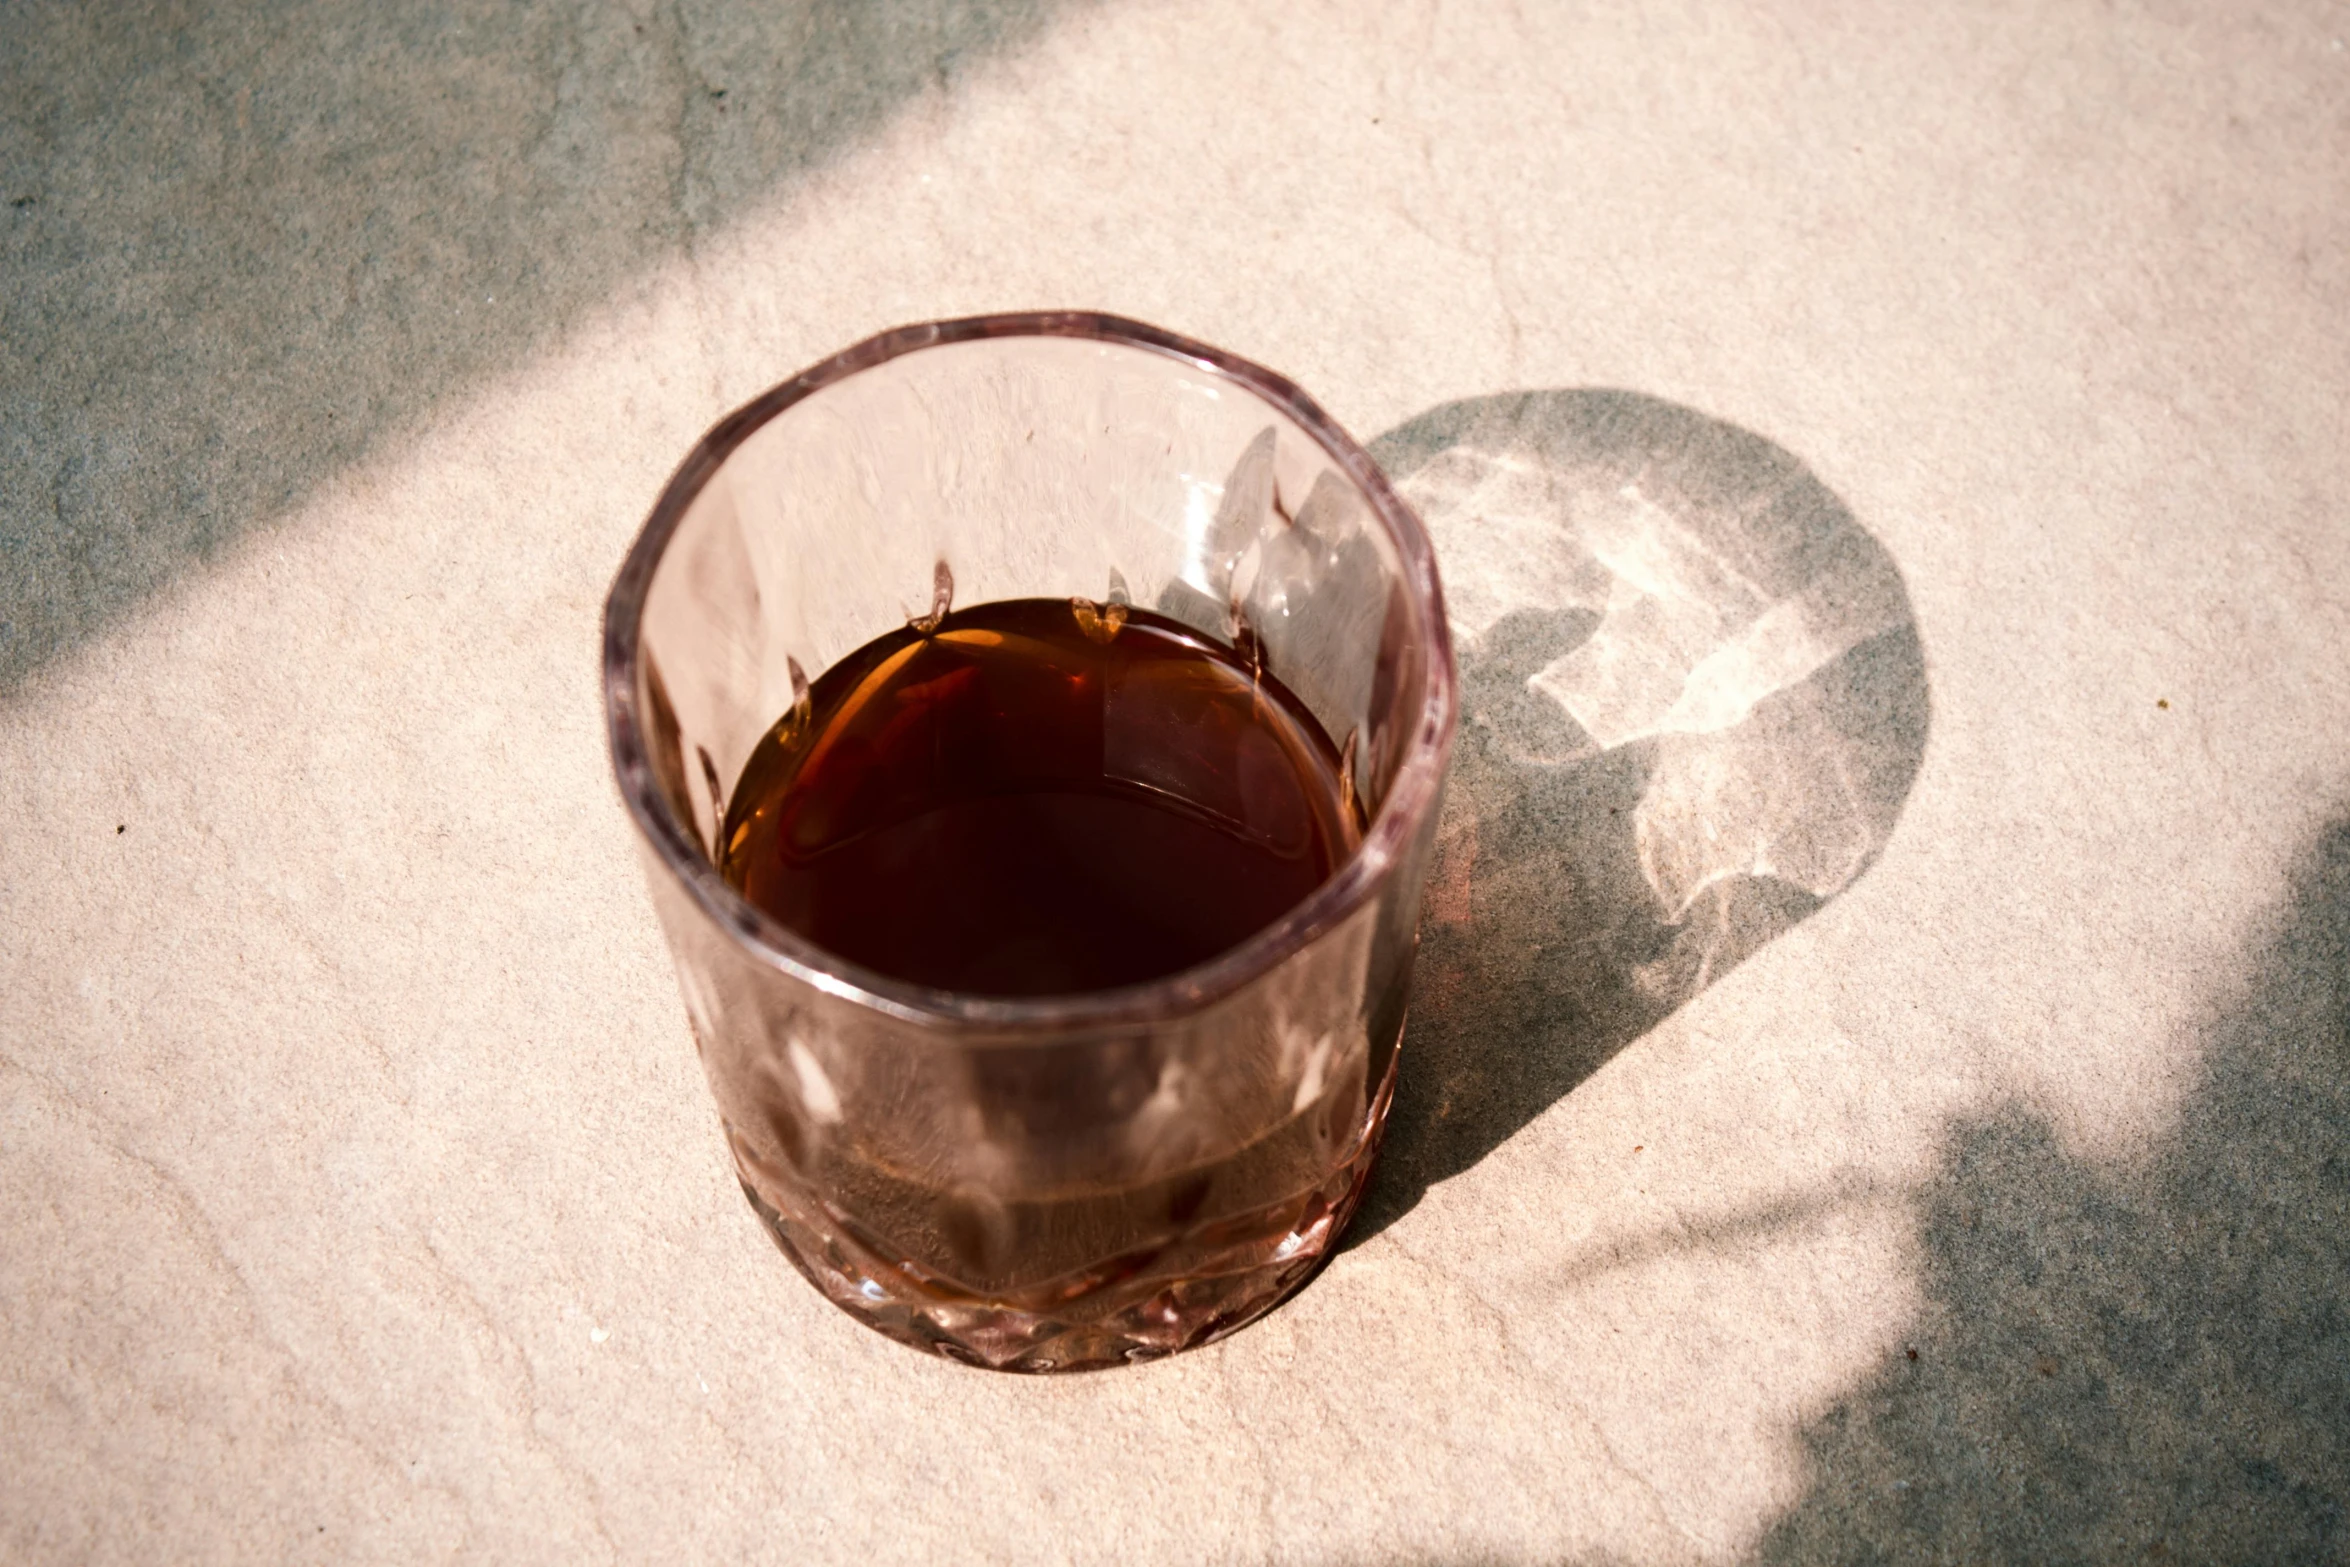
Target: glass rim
[[1411, 796]]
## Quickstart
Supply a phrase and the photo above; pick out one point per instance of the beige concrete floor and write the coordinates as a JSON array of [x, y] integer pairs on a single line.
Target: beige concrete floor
[[1972, 1187]]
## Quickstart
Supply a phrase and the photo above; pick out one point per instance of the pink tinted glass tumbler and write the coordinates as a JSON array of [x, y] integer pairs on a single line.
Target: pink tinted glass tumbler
[[1054, 1182]]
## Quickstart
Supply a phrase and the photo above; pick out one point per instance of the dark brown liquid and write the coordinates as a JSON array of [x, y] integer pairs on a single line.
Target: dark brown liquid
[[1038, 797]]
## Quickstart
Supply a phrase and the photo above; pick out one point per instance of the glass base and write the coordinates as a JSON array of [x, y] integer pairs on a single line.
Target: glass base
[[1189, 1289]]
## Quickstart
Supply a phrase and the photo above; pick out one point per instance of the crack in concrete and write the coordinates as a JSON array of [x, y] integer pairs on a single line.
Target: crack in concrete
[[1264, 1463], [244, 1301], [1503, 1330], [528, 1388], [689, 89], [1761, 1219]]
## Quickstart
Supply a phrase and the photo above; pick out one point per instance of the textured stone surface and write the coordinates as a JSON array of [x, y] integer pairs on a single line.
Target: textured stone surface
[[366, 1202]]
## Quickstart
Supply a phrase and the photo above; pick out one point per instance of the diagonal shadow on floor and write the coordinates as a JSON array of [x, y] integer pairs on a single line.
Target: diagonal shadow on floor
[[240, 246], [2141, 1366], [1693, 705]]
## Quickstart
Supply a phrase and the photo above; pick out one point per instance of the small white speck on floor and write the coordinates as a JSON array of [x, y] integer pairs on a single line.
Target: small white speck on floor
[[705, 1385], [598, 1335]]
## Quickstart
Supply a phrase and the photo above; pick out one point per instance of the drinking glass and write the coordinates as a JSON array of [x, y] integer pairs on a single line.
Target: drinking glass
[[1066, 1181]]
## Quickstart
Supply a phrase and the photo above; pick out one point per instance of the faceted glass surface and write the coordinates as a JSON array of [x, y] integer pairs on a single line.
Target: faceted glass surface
[[1061, 1181]]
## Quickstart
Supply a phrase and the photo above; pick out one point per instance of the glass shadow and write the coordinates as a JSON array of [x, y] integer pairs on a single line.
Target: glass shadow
[[1693, 704]]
